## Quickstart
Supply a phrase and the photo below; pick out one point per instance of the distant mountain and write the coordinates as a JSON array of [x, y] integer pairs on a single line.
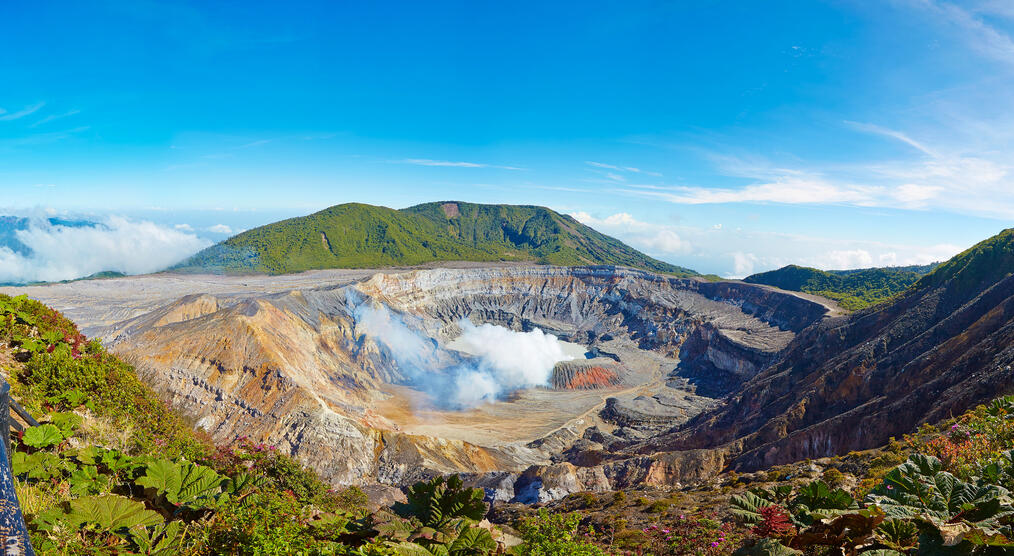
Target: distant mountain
[[355, 235], [852, 289]]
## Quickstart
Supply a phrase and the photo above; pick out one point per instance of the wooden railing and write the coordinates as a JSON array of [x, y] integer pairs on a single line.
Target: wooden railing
[[14, 539]]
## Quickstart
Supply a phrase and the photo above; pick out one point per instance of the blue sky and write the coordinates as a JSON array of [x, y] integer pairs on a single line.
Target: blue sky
[[730, 137]]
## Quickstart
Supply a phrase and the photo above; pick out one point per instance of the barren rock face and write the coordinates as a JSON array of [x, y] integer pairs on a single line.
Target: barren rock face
[[292, 366], [587, 374]]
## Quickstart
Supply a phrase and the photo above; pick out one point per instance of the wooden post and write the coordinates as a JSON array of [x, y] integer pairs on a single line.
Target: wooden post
[[14, 539]]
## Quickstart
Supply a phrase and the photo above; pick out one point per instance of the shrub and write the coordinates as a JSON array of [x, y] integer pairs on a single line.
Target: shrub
[[833, 477], [553, 535]]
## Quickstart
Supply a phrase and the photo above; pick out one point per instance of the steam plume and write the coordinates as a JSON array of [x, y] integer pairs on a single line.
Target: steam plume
[[501, 361]]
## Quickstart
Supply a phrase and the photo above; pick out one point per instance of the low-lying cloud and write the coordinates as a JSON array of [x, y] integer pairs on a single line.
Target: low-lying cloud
[[66, 251], [501, 361]]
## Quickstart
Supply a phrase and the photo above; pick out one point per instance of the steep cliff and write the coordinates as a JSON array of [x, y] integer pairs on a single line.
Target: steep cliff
[[851, 383]]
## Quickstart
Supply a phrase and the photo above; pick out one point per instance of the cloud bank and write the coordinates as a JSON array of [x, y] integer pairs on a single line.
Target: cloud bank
[[734, 252], [68, 251]]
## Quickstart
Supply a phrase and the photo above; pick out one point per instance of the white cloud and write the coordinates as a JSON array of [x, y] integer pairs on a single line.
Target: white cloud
[[252, 144], [655, 239], [787, 190], [220, 229], [848, 259], [184, 227], [916, 195], [54, 117], [743, 264], [977, 34], [28, 110], [633, 169], [116, 244], [872, 128], [453, 164], [969, 174]]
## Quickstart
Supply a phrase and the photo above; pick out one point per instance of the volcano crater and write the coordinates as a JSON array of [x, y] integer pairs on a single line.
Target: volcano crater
[[286, 359]]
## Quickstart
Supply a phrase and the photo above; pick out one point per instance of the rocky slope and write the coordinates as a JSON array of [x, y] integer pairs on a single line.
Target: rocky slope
[[293, 367], [850, 383], [685, 377]]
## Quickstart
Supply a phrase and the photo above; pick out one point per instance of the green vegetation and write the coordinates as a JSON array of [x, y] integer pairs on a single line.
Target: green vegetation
[[364, 236], [852, 289], [951, 496], [95, 478], [978, 267]]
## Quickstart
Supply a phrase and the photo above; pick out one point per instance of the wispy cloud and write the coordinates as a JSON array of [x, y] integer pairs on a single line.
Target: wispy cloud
[[943, 173], [872, 128], [976, 33], [453, 164], [26, 111], [633, 169], [54, 117], [252, 144], [42, 138]]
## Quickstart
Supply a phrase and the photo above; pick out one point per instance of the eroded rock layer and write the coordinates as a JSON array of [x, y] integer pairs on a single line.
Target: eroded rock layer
[[293, 367]]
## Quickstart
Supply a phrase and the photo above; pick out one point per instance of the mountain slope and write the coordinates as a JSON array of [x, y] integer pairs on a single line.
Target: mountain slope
[[355, 235], [850, 383], [853, 289]]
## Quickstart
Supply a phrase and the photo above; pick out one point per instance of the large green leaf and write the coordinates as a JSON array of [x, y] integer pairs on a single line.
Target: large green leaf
[[88, 480], [818, 501], [40, 466], [748, 506], [42, 436], [110, 512], [897, 534], [766, 547], [184, 484], [918, 490], [439, 501], [157, 539], [473, 541]]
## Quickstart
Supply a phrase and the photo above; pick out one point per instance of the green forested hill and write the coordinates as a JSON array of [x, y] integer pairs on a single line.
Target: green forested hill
[[853, 289], [355, 235]]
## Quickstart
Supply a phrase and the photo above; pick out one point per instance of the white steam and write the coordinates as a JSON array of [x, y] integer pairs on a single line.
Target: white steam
[[502, 360], [508, 360], [60, 252]]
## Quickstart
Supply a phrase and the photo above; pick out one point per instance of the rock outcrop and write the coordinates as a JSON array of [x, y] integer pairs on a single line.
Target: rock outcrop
[[586, 374]]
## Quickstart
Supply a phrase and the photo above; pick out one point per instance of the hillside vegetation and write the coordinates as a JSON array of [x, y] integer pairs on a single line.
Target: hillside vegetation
[[355, 235], [112, 470], [852, 289], [945, 489]]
